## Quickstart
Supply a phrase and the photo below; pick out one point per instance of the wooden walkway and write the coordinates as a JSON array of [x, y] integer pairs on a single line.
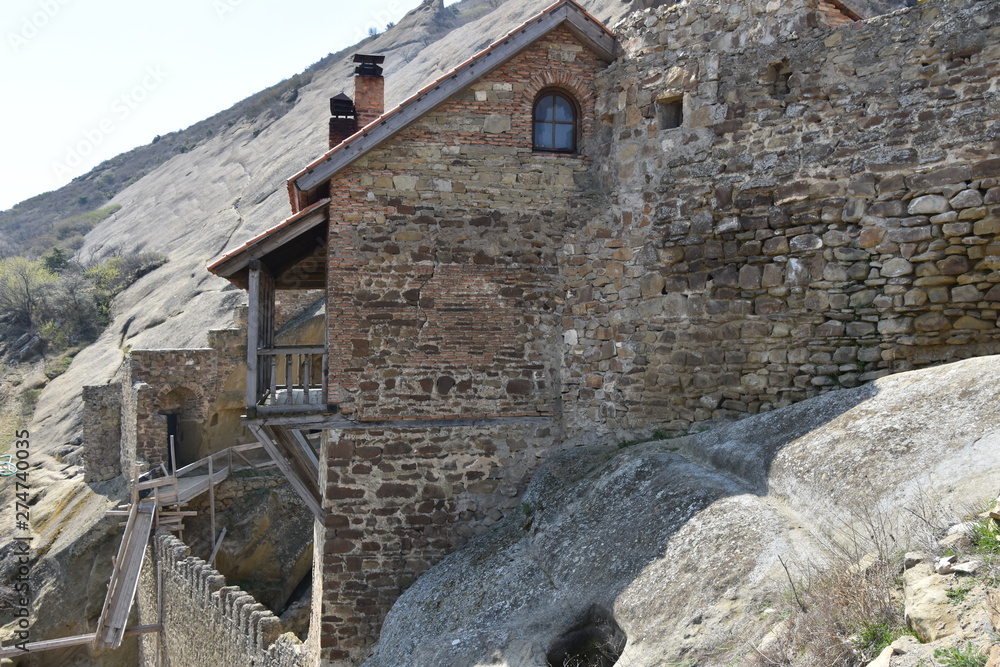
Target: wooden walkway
[[125, 576], [151, 511], [144, 515]]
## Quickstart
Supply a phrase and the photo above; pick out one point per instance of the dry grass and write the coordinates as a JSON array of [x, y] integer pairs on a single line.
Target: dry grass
[[846, 606]]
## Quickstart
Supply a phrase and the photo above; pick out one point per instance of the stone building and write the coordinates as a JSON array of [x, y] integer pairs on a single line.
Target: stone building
[[577, 235]]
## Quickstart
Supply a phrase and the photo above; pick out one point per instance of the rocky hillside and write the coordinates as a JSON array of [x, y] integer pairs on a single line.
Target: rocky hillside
[[776, 540]]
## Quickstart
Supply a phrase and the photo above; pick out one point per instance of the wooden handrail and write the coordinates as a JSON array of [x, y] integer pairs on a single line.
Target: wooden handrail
[[290, 349]]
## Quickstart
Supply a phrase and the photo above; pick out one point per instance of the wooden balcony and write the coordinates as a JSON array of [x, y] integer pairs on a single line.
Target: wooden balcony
[[288, 379]]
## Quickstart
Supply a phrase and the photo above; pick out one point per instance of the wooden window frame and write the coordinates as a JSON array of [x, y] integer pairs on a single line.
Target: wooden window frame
[[574, 107]]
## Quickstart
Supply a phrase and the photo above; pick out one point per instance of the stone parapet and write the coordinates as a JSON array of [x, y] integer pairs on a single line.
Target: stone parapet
[[206, 623]]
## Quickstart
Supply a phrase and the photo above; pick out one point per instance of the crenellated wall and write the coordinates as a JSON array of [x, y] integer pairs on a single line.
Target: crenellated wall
[[205, 622]]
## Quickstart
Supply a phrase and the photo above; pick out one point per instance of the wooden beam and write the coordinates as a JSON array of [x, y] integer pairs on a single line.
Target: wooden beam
[[342, 423], [66, 642], [253, 332], [306, 449], [309, 497], [211, 499], [215, 550], [273, 241]]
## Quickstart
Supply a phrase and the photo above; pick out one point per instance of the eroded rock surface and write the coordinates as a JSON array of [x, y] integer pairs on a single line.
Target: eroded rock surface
[[679, 540]]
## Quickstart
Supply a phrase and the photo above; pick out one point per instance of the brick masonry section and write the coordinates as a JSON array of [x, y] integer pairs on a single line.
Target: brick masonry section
[[443, 268], [826, 213]]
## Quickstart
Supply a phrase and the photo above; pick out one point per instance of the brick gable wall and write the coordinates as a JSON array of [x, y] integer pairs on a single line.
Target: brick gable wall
[[444, 290]]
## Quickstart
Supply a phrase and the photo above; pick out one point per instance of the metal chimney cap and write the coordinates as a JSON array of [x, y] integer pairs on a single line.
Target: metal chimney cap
[[369, 64], [341, 106]]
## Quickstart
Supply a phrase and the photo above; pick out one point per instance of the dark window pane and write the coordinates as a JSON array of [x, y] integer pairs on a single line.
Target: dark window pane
[[543, 136], [564, 137], [545, 110], [563, 109]]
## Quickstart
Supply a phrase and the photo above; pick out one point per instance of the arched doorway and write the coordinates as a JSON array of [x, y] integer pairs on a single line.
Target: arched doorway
[[183, 411]]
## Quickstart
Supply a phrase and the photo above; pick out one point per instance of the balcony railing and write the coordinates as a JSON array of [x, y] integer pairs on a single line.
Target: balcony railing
[[289, 378]]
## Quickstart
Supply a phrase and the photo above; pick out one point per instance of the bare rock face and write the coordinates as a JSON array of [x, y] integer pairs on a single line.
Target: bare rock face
[[678, 541]]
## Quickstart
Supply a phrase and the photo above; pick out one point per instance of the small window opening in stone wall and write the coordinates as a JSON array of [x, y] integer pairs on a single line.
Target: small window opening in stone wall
[[670, 112], [780, 74], [595, 640], [556, 122]]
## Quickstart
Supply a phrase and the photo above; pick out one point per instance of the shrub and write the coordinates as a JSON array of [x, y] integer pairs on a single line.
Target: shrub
[[23, 287]]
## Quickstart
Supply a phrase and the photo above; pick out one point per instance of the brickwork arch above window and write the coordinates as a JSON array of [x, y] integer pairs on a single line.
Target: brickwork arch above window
[[572, 86]]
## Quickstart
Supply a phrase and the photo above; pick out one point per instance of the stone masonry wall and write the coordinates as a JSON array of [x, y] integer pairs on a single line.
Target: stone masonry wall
[[205, 385], [443, 269], [205, 622], [102, 432], [397, 501], [827, 213]]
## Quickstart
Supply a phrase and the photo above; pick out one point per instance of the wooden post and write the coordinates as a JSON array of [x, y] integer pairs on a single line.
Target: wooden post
[[135, 484], [211, 497], [253, 331], [173, 457], [305, 373]]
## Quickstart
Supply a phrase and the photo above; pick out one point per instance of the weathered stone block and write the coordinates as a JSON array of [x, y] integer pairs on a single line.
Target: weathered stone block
[[928, 205], [966, 199], [896, 267], [933, 321]]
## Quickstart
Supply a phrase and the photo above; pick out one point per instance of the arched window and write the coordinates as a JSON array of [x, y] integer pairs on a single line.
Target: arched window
[[555, 123]]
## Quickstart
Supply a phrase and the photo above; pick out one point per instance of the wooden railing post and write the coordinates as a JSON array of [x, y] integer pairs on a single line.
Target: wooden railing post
[[253, 330]]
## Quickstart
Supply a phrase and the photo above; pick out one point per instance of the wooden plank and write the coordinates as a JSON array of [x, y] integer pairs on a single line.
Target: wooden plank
[[307, 449], [125, 576], [65, 642], [211, 498], [215, 549], [248, 447], [153, 483]]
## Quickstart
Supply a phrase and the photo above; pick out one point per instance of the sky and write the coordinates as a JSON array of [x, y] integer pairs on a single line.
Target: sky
[[84, 80]]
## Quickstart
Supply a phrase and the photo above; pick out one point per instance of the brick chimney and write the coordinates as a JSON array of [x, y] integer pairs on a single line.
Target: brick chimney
[[369, 88], [343, 119]]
